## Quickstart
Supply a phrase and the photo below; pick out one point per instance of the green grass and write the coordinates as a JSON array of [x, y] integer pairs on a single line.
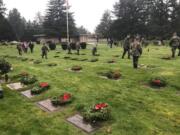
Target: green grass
[[136, 109]]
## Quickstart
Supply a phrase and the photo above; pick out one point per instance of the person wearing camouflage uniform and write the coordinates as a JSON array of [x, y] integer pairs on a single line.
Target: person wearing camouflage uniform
[[175, 44], [136, 51], [94, 50], [44, 50], [19, 49], [126, 47]]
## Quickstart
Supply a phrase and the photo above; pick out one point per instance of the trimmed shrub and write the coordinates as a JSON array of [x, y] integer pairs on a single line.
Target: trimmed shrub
[[64, 45], [83, 45], [5, 66], [52, 46]]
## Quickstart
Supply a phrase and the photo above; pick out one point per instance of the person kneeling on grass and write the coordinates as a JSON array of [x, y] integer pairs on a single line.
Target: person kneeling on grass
[[44, 50], [136, 51]]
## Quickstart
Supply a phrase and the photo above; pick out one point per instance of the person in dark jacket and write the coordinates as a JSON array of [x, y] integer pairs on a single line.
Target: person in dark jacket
[[44, 50], [78, 47], [31, 46], [19, 48]]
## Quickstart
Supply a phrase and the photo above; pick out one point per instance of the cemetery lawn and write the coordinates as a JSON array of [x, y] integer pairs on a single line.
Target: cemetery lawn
[[136, 108]]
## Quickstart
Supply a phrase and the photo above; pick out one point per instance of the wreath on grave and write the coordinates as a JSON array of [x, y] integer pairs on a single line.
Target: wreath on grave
[[111, 61], [158, 82], [76, 68], [39, 88], [63, 99], [26, 80], [112, 74], [52, 64], [94, 60], [97, 113], [37, 61]]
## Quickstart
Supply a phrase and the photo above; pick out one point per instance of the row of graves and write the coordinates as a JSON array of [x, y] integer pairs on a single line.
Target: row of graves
[[89, 118]]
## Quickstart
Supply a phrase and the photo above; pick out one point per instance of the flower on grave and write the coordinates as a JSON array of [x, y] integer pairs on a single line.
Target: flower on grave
[[44, 85], [97, 113], [158, 82], [100, 106], [65, 97]]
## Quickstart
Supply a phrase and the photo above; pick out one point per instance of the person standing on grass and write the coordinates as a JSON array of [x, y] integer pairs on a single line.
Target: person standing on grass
[[126, 47], [31, 46], [111, 42], [94, 50], [136, 51], [44, 50], [78, 47], [19, 48], [174, 44]]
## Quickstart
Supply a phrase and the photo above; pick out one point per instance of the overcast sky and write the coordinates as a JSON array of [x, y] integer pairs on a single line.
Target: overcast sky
[[86, 12]]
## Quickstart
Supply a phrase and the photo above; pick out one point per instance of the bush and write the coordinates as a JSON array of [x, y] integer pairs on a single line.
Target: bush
[[5, 66], [39, 88], [63, 99], [52, 46], [76, 68], [64, 45], [97, 113], [158, 82], [83, 45]]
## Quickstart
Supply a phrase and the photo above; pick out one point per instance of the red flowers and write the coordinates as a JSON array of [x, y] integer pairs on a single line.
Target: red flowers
[[66, 97], [158, 82], [44, 85], [100, 106]]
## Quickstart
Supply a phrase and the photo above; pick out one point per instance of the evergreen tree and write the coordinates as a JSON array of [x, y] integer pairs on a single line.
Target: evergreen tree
[[103, 29], [55, 20]]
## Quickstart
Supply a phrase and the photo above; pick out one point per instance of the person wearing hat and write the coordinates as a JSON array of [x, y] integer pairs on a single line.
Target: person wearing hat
[[136, 51]]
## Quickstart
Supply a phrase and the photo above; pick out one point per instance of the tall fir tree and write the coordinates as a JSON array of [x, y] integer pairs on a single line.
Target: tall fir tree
[[55, 20]]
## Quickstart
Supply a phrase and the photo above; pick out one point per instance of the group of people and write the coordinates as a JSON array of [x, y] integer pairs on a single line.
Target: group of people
[[24, 46], [131, 46]]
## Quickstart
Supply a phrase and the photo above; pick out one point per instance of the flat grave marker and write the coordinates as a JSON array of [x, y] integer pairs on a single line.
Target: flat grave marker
[[27, 94], [47, 106], [77, 120], [15, 86]]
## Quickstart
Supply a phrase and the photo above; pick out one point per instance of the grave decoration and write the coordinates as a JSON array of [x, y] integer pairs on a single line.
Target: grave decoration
[[76, 68], [39, 88], [26, 79], [61, 100], [52, 64], [67, 57], [111, 61], [158, 82], [24, 59], [112, 74], [97, 113], [166, 58], [94, 60], [37, 61]]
